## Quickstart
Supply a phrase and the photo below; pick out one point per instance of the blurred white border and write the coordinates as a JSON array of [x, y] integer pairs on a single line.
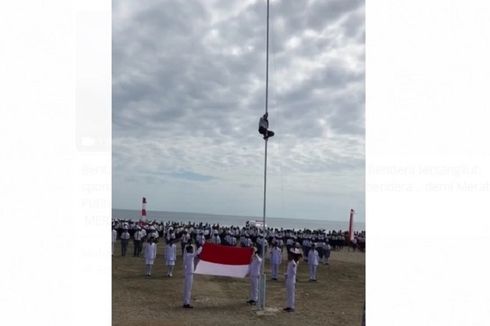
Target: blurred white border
[[427, 154], [427, 163], [55, 189]]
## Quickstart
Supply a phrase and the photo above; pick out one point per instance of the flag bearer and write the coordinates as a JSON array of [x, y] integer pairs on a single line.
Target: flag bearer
[[254, 274], [189, 273]]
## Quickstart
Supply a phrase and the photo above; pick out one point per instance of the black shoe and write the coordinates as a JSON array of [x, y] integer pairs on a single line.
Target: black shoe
[[251, 302], [288, 309], [187, 306]]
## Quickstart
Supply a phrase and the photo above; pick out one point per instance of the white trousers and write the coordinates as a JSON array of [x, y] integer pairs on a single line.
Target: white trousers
[[312, 270], [188, 288], [254, 288], [290, 292], [170, 269], [274, 270], [148, 269]]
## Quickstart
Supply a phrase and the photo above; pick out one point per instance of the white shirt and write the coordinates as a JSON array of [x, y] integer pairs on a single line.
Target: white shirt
[[125, 235], [255, 266], [171, 252], [154, 234], [276, 255], [200, 239], [185, 238], [291, 274], [150, 251], [137, 235], [114, 235], [216, 239], [313, 257], [189, 261]]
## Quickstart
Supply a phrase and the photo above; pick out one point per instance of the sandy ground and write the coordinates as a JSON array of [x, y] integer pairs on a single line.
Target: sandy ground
[[336, 299]]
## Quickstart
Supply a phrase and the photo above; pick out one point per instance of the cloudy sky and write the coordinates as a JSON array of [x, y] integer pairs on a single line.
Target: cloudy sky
[[188, 91]]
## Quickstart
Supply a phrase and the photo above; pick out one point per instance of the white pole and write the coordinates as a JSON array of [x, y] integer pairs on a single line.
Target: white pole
[[261, 303]]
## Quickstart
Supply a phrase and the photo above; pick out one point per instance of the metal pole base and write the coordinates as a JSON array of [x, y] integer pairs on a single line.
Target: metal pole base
[[262, 287]]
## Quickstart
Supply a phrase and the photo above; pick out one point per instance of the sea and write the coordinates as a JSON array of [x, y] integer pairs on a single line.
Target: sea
[[235, 220]]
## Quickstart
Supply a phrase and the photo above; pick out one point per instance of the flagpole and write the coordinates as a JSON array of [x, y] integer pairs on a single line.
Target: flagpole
[[261, 303]]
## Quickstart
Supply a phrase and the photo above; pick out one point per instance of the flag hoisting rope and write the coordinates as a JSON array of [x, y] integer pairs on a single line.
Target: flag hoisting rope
[[267, 134]]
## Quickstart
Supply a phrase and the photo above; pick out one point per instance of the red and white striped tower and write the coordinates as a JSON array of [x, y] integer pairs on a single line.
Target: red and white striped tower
[[143, 210], [351, 225]]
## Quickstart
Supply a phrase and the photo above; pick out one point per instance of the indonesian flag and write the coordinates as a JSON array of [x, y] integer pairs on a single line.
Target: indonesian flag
[[351, 225], [224, 260]]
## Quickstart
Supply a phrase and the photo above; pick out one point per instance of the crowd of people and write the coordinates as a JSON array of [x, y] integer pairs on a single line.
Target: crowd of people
[[313, 246]]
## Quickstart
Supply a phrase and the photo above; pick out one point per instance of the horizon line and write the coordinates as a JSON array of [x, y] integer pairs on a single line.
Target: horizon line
[[254, 217]]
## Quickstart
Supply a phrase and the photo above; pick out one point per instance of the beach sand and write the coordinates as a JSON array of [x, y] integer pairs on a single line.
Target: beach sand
[[336, 299]]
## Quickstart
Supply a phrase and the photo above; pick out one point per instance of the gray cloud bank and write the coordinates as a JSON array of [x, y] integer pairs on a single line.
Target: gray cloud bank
[[189, 87]]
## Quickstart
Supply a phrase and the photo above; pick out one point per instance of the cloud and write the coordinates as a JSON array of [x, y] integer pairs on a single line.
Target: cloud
[[188, 89]]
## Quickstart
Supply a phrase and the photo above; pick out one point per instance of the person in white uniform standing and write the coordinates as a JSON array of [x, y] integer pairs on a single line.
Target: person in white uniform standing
[[313, 260], [276, 258], [216, 238], [170, 255], [189, 257], [291, 279], [200, 239], [137, 242], [150, 255], [254, 274], [114, 238], [124, 240]]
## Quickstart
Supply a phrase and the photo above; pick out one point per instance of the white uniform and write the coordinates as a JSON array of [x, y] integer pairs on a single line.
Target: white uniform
[[150, 255], [216, 239], [276, 258], [248, 242], [313, 260], [200, 239], [170, 257], [254, 274], [124, 242], [189, 274], [291, 283]]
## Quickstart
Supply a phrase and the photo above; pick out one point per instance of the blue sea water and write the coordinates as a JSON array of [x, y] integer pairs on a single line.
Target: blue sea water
[[229, 220]]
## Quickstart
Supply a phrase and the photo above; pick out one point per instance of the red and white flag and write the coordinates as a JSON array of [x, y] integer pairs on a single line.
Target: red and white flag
[[224, 260]]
